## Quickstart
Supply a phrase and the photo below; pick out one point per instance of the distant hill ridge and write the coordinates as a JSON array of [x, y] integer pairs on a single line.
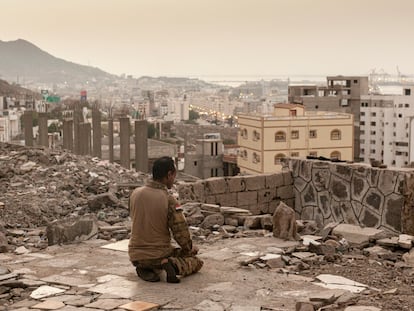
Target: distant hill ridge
[[15, 91], [23, 59]]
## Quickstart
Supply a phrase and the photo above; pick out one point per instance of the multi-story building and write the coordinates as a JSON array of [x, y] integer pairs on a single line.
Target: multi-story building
[[387, 128], [207, 160], [341, 94], [291, 132]]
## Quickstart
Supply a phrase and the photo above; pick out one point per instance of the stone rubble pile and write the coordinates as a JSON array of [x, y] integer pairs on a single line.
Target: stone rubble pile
[[39, 186]]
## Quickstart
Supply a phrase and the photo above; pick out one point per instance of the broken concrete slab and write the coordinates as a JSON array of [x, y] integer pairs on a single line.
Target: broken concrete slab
[[65, 280], [121, 246], [107, 304], [408, 258], [388, 242], [405, 241], [222, 254], [209, 305], [71, 229], [45, 291], [21, 250], [357, 236], [362, 308], [120, 287], [338, 282], [49, 305], [139, 306]]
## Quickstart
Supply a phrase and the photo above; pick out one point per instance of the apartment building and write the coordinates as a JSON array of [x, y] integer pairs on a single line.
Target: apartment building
[[290, 131], [207, 160], [340, 94], [387, 128]]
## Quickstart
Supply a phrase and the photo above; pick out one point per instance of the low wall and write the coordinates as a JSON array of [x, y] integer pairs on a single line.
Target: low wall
[[354, 194], [318, 190], [259, 194]]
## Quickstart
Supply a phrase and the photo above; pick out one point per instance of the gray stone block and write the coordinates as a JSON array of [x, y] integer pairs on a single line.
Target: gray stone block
[[324, 203], [309, 195], [369, 219], [216, 185], [199, 191], [266, 195], [387, 181], [72, 229], [305, 170], [340, 189], [374, 199], [274, 180], [255, 182], [285, 192], [246, 198], [320, 178], [393, 216], [287, 178], [210, 199], [359, 187], [236, 184], [227, 199], [341, 170], [372, 176], [300, 184]]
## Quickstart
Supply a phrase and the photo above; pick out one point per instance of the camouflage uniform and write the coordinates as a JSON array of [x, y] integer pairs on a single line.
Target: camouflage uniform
[[185, 262]]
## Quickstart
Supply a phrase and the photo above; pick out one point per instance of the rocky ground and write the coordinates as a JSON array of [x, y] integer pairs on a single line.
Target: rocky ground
[[245, 264]]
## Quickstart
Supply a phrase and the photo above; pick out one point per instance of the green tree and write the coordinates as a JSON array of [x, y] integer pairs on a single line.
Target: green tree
[[152, 130], [193, 115]]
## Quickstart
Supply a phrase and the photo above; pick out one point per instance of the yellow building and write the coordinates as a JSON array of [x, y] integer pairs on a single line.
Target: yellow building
[[291, 132]]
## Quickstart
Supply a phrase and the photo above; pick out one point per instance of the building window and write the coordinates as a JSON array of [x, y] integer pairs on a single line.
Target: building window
[[372, 151], [373, 123], [243, 155], [312, 134], [355, 81], [373, 132], [256, 158], [373, 114], [362, 141], [195, 163], [313, 153], [362, 113], [280, 136], [362, 123], [294, 134], [362, 151], [335, 135], [407, 92], [400, 115], [362, 132], [292, 113], [278, 157], [335, 155], [256, 135], [407, 105], [372, 142], [294, 154], [244, 133]]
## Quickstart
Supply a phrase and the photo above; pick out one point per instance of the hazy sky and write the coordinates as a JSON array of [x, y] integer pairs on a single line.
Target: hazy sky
[[219, 37]]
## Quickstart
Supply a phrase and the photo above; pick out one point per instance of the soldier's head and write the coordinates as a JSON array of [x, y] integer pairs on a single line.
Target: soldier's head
[[163, 171]]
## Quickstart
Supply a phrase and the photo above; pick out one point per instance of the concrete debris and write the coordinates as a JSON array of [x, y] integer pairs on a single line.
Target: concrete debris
[[45, 291], [68, 230], [405, 241], [357, 236], [284, 223], [339, 282]]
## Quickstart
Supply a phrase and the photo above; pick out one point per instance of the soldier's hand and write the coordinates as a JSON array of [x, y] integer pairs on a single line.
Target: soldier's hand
[[194, 250]]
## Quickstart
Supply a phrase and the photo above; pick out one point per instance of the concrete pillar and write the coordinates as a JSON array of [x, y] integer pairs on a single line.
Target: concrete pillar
[[84, 138], [68, 135], [111, 140], [43, 133], [124, 133], [141, 146], [28, 128], [97, 132], [77, 119]]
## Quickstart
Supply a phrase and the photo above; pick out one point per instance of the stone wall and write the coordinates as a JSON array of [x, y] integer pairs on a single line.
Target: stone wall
[[259, 194], [354, 194]]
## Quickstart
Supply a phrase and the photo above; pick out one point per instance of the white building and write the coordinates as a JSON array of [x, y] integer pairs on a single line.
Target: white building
[[9, 125], [387, 128]]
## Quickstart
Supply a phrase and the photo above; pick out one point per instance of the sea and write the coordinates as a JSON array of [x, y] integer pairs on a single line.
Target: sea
[[237, 80]]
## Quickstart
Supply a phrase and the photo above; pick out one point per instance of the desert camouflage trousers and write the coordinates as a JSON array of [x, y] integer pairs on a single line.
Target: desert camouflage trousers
[[185, 264]]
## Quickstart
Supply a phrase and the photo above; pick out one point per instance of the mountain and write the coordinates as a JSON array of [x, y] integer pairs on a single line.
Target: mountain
[[22, 59], [12, 90]]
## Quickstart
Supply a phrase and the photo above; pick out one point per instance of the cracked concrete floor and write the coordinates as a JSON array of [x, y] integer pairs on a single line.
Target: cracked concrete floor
[[87, 267]]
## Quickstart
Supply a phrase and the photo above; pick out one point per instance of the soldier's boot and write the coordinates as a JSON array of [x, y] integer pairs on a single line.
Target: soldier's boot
[[147, 275], [171, 272]]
